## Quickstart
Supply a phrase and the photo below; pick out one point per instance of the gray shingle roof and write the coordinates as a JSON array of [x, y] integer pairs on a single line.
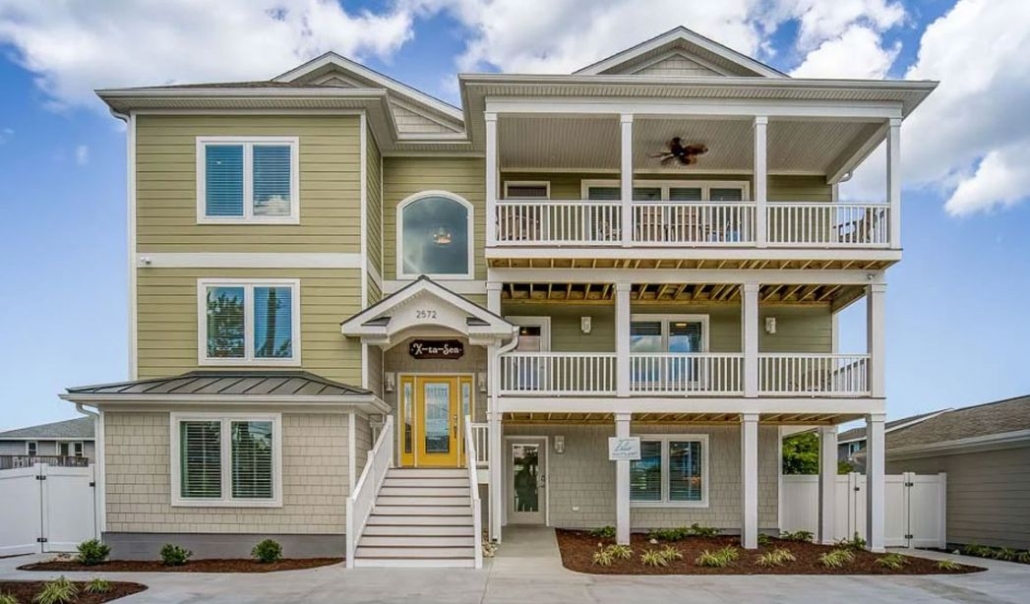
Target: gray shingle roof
[[238, 383], [1009, 415], [859, 432], [72, 428]]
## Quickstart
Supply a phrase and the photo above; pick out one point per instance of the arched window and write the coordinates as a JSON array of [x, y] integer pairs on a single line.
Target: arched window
[[434, 236]]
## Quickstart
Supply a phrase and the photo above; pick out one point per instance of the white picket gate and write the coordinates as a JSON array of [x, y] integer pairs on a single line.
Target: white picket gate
[[915, 507], [46, 508]]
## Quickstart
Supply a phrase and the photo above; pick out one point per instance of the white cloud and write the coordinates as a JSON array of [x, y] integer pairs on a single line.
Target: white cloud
[[857, 53], [74, 47], [821, 20], [82, 155], [1001, 180]]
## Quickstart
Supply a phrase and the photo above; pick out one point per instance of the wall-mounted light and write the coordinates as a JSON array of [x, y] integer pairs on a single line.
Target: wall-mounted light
[[559, 444], [584, 324], [481, 382], [145, 260], [388, 379], [770, 325]]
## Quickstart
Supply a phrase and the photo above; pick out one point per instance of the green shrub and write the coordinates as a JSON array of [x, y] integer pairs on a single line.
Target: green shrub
[[267, 551], [1023, 557], [798, 536], [855, 543], [979, 551], [948, 565], [669, 534], [173, 555], [621, 552], [7, 598], [893, 561], [650, 557], [93, 552], [98, 586], [712, 559], [764, 540], [605, 532], [1006, 554], [838, 558], [58, 591], [672, 553], [703, 531], [604, 557], [777, 557]]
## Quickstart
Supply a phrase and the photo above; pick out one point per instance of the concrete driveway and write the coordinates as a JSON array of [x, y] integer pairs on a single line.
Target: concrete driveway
[[527, 570]]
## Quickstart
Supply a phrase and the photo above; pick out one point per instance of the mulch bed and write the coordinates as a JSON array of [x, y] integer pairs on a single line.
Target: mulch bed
[[193, 566], [578, 547], [25, 591]]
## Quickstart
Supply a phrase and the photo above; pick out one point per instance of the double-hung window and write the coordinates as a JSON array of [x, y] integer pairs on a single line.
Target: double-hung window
[[248, 179], [249, 322], [233, 460], [672, 471]]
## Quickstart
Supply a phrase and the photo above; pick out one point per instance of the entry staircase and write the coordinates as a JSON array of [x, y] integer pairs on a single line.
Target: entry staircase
[[421, 518]]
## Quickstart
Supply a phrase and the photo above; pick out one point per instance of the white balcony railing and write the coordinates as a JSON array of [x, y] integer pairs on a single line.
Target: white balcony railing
[[547, 373], [701, 373], [692, 224], [481, 440], [813, 374]]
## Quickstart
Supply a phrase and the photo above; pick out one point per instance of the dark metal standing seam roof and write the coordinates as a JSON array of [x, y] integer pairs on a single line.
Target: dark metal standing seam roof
[[229, 383]]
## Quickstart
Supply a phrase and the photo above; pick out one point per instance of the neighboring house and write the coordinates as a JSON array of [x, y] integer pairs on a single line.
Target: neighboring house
[[331, 255], [852, 442], [985, 451], [69, 442]]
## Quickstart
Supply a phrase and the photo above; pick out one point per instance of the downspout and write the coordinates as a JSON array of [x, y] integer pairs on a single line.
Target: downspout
[[99, 479]]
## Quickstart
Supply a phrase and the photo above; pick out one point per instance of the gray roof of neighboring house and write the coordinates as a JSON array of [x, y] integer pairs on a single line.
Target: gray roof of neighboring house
[[238, 383], [859, 432], [72, 428], [1000, 417]]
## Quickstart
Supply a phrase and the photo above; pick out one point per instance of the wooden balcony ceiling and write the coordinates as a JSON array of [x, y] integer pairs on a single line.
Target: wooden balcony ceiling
[[837, 295], [608, 419], [643, 262]]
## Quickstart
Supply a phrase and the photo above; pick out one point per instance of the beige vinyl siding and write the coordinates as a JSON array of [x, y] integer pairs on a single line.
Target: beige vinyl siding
[[138, 479], [406, 176], [988, 494], [168, 314], [374, 293], [798, 328], [166, 185], [374, 189]]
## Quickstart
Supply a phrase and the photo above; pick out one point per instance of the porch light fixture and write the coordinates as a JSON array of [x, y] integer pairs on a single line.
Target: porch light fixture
[[481, 382], [388, 378], [770, 325], [559, 444], [584, 324]]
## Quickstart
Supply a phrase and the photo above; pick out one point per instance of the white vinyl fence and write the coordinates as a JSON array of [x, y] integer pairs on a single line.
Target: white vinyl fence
[[914, 504], [46, 509]]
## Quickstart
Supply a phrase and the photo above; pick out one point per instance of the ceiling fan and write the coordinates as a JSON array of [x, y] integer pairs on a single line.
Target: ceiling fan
[[676, 151]]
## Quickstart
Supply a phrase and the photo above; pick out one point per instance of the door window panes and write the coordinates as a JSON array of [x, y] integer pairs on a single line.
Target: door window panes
[[645, 475], [438, 418], [525, 474], [729, 194]]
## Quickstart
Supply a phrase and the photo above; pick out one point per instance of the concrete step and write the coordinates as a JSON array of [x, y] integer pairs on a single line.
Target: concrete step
[[416, 491], [412, 521], [427, 473], [414, 541], [419, 482], [422, 500], [422, 510], [414, 562], [415, 552], [419, 530]]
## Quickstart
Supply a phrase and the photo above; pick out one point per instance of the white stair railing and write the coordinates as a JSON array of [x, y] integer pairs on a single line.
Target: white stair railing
[[471, 460], [362, 500], [480, 436]]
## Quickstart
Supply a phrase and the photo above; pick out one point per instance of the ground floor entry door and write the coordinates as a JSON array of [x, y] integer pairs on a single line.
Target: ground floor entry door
[[431, 410], [526, 488]]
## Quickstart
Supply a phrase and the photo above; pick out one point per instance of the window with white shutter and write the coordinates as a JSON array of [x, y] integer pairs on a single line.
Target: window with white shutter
[[249, 322], [252, 460], [248, 179], [201, 459]]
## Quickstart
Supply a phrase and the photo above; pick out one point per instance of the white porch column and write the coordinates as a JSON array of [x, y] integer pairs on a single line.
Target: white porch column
[[491, 179], [874, 482], [761, 176], [622, 320], [827, 483], [626, 178], [876, 329], [749, 480], [894, 180], [493, 296], [622, 484], [749, 337]]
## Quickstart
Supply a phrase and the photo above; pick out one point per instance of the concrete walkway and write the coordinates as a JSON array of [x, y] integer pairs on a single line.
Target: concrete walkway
[[528, 570]]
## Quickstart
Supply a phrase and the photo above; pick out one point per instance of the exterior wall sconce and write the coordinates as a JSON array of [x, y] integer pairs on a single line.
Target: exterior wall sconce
[[770, 325], [584, 324], [481, 382], [388, 382], [559, 444]]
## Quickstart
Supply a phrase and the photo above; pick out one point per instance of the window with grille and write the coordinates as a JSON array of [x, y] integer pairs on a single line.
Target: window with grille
[[671, 471], [249, 322], [248, 179]]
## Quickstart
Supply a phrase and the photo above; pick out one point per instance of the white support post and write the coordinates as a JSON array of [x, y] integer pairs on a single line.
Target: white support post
[[622, 484], [876, 329], [875, 482], [827, 483], [491, 179], [493, 296], [749, 480], [626, 179], [894, 180], [761, 179], [622, 322], [749, 337], [496, 466]]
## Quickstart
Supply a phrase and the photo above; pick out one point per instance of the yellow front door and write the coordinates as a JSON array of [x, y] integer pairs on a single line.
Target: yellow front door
[[436, 402]]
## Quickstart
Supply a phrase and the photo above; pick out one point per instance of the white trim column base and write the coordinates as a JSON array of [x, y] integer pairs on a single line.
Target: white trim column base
[[749, 480], [875, 482], [827, 484], [622, 516]]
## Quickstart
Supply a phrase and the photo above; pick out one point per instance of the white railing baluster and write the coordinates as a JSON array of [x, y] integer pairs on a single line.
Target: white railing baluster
[[813, 374]]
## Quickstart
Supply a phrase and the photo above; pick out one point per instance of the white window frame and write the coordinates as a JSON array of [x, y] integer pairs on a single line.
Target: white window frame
[[528, 183], [706, 187], [665, 439], [29, 444], [544, 323], [248, 286], [471, 235], [78, 449], [225, 442], [248, 143], [667, 320]]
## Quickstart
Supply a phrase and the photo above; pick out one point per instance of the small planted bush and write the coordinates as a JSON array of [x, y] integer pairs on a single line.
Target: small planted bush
[[798, 536], [777, 557], [603, 557], [98, 586], [604, 532], [173, 555], [1006, 554], [671, 553], [669, 534], [7, 598], [93, 552], [764, 540], [703, 531], [855, 543], [893, 561], [720, 558], [1023, 557], [976, 550], [651, 557], [267, 551], [838, 558], [58, 591], [948, 565], [621, 552]]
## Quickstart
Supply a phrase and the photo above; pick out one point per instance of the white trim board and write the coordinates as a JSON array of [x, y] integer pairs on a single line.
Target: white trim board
[[661, 276], [248, 260]]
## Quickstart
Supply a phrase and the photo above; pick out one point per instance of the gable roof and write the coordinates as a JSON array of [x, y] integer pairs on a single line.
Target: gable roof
[[984, 421], [71, 429], [707, 53], [858, 434]]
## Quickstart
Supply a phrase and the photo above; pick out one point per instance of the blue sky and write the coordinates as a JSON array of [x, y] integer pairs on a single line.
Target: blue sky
[[958, 320]]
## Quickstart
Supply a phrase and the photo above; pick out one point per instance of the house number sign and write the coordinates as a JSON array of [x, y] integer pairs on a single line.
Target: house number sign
[[436, 349]]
